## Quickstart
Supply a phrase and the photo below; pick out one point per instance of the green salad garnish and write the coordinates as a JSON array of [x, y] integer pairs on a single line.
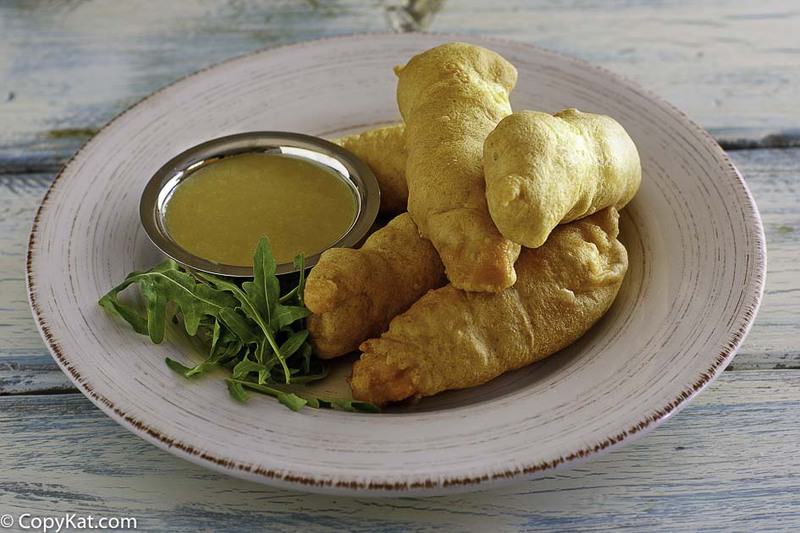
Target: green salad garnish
[[250, 329]]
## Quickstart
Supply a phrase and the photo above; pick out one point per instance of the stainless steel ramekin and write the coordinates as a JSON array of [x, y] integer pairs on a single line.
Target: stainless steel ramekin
[[345, 165]]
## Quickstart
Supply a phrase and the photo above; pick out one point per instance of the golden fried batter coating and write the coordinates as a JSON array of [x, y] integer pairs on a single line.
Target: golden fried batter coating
[[354, 294], [453, 339], [543, 170], [384, 151], [451, 97]]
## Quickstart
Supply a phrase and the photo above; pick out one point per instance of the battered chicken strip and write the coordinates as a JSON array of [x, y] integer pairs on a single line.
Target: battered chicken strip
[[543, 170], [451, 97], [452, 339], [384, 151], [354, 294]]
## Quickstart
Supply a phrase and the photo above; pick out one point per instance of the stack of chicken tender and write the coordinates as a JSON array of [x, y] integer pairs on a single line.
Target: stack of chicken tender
[[508, 251]]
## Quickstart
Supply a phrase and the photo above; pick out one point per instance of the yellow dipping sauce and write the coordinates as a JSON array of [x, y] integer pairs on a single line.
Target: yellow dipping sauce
[[221, 210]]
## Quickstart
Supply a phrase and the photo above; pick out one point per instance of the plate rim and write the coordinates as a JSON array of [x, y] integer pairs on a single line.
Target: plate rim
[[752, 297]]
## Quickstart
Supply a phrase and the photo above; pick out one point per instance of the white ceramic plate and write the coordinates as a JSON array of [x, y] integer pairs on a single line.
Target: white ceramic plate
[[696, 274]]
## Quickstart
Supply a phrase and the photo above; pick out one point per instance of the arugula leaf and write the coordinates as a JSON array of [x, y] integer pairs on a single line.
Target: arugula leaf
[[245, 366], [309, 378], [296, 294], [264, 290], [287, 314], [215, 337], [289, 399], [293, 343], [238, 325], [306, 353], [296, 401], [130, 315], [251, 311], [236, 390], [200, 369], [344, 405], [250, 330], [193, 372], [292, 401], [166, 283], [177, 367]]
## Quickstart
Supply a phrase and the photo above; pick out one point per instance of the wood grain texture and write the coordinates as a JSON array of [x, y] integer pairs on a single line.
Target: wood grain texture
[[25, 364], [19, 198], [773, 176], [728, 462], [68, 67], [774, 179], [733, 66]]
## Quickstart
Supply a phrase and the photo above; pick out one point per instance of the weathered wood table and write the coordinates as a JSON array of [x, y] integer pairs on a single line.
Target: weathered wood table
[[728, 461]]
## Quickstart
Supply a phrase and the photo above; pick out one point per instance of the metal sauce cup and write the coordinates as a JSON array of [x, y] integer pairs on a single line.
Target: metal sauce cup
[[345, 165]]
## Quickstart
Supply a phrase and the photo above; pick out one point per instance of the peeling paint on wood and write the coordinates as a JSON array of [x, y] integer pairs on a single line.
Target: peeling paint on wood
[[74, 65], [751, 139], [19, 339], [31, 373], [726, 63], [728, 461]]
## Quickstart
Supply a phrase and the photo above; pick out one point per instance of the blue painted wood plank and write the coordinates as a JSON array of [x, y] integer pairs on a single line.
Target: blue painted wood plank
[[732, 66], [727, 462], [68, 67]]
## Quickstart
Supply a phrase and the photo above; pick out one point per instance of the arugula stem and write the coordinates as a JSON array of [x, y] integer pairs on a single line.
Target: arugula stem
[[253, 312], [172, 281], [288, 296], [233, 324]]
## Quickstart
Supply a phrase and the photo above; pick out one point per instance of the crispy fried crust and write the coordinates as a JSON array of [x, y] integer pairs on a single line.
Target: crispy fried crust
[[453, 339], [451, 97], [384, 151], [354, 294], [543, 170]]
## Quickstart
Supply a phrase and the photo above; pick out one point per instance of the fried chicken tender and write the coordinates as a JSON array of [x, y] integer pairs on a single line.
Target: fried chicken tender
[[453, 339], [542, 170], [384, 151], [353, 294], [451, 97]]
